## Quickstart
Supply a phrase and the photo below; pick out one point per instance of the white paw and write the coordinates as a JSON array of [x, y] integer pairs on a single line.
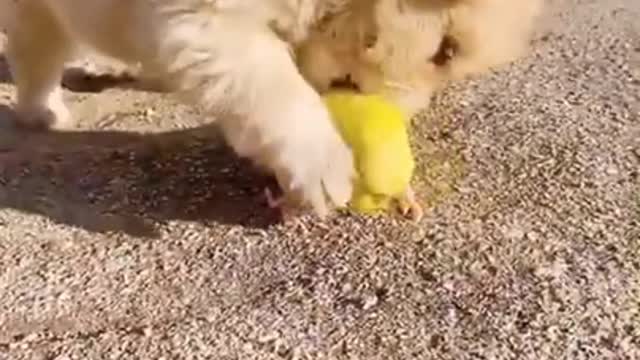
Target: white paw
[[312, 162], [53, 114], [298, 143]]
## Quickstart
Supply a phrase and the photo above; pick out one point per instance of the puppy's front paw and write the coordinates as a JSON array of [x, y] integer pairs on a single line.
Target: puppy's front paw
[[313, 164], [49, 114], [43, 118]]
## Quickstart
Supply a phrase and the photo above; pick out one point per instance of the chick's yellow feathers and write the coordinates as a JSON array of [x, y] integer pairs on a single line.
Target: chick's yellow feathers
[[376, 132]]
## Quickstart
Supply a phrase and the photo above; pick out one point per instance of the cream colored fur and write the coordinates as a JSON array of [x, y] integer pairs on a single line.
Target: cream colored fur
[[258, 66]]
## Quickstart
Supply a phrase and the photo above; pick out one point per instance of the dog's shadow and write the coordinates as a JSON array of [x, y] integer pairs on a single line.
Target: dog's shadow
[[109, 181], [78, 79], [5, 74], [116, 181]]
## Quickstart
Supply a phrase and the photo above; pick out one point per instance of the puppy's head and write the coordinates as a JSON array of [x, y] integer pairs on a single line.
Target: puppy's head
[[407, 49]]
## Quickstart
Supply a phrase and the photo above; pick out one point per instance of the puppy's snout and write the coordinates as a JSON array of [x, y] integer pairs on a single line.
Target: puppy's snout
[[345, 82]]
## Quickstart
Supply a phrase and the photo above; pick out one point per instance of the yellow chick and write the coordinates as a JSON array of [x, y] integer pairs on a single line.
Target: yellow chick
[[376, 132]]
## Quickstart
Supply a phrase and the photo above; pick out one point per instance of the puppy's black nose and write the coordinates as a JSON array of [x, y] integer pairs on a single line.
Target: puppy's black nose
[[345, 82]]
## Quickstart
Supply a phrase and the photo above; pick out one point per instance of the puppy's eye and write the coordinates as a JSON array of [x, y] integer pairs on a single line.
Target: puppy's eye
[[370, 41], [447, 50]]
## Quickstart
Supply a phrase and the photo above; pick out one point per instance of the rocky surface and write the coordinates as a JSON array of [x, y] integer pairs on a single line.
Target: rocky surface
[[141, 237]]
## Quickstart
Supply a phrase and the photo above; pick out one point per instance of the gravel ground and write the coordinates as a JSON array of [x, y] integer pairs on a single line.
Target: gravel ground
[[141, 237]]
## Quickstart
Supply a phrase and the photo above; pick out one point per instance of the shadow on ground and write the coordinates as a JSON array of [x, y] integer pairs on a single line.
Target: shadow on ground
[[106, 181], [117, 181], [77, 79], [113, 181], [5, 75]]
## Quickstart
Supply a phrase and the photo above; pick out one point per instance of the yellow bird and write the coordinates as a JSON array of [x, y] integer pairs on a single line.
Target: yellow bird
[[376, 131]]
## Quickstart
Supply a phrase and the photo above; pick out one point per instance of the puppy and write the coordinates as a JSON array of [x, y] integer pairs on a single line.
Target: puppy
[[258, 66], [409, 49]]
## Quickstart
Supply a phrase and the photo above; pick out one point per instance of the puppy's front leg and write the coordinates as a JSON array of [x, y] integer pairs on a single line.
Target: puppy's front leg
[[243, 73], [37, 49]]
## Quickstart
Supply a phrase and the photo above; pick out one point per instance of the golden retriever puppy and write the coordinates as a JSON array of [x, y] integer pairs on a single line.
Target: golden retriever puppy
[[258, 66], [407, 49]]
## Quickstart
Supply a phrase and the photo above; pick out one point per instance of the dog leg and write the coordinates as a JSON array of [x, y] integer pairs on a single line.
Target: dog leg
[[244, 74], [37, 49]]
